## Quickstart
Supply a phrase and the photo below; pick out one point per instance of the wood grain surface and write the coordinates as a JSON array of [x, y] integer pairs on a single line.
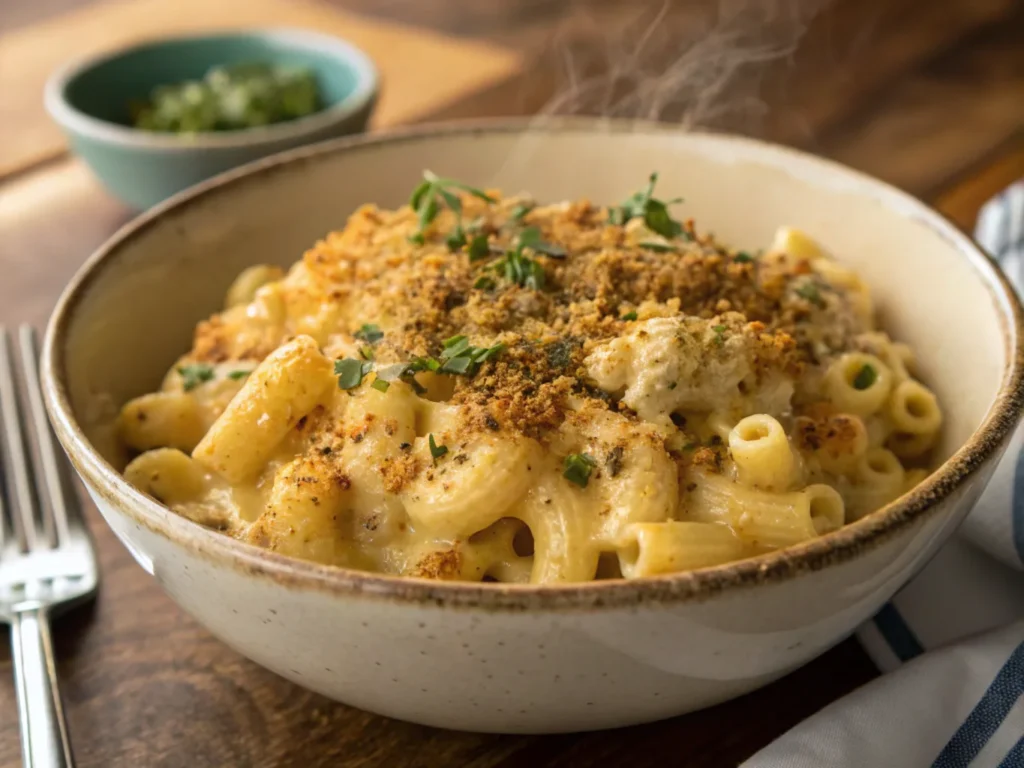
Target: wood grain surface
[[419, 69], [929, 96]]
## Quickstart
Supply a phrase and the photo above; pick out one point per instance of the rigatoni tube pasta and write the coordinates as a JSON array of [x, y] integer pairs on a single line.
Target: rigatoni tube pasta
[[760, 449], [285, 387], [479, 387]]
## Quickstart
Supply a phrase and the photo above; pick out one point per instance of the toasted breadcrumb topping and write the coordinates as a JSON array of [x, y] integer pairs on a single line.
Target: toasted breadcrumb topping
[[611, 290]]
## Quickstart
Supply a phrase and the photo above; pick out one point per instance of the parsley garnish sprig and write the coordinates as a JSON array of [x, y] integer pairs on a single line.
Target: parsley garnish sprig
[[427, 199], [530, 237], [458, 358], [654, 212], [463, 359], [517, 267]]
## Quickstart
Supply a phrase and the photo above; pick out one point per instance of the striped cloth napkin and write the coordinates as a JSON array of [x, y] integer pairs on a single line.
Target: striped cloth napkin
[[952, 640]]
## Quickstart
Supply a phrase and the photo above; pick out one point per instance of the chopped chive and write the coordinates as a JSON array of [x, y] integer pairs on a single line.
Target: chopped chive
[[237, 375], [631, 315], [577, 468], [381, 385], [742, 257]]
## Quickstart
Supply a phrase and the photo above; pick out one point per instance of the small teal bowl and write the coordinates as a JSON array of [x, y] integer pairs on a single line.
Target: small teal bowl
[[90, 101]]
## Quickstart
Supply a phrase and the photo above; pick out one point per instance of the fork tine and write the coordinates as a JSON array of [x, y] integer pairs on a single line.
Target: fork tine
[[17, 470], [50, 480]]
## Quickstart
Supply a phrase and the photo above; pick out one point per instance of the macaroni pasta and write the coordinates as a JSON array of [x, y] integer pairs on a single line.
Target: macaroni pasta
[[478, 387]]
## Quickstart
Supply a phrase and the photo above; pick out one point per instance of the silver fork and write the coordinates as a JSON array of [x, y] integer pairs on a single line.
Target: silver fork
[[47, 561]]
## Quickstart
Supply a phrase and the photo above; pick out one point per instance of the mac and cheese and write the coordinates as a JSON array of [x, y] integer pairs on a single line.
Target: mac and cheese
[[481, 388]]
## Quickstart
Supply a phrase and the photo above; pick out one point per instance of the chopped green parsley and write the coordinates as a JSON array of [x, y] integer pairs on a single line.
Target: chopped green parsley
[[427, 199], [812, 293], [195, 374], [370, 333], [436, 451], [865, 377], [577, 468], [350, 372]]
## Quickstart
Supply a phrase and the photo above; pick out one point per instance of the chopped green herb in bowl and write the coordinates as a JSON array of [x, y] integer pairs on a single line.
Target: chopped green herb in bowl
[[231, 98], [154, 118]]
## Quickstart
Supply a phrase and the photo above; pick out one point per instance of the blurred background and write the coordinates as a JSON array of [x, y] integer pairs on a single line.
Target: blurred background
[[914, 91]]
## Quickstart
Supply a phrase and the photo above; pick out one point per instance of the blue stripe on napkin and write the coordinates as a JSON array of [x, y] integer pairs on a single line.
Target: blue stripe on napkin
[[1018, 506], [987, 715], [897, 633], [1015, 757]]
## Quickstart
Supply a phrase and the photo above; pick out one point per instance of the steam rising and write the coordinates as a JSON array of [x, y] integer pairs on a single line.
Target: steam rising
[[689, 63]]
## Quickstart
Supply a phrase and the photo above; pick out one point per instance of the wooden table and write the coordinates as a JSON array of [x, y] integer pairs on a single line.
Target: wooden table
[[929, 96]]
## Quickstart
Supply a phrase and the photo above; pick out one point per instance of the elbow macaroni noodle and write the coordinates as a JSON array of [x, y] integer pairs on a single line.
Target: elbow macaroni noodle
[[343, 413]]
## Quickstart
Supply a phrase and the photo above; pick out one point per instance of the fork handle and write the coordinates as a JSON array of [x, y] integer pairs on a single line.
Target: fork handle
[[44, 732]]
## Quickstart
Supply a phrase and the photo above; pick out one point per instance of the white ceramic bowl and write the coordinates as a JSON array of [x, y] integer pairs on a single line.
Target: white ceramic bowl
[[535, 659]]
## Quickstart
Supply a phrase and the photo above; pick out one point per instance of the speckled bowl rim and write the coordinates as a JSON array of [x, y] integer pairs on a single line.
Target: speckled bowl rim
[[77, 122], [699, 585]]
